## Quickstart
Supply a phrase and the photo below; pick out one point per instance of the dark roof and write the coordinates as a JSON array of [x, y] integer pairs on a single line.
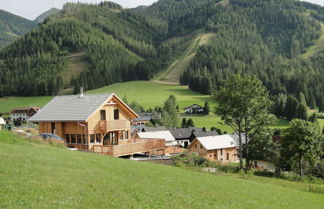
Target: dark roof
[[193, 105], [181, 133], [25, 109], [152, 129], [146, 116], [203, 133]]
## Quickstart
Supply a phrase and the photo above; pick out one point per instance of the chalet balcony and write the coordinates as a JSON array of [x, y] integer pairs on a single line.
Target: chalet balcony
[[114, 125], [132, 147]]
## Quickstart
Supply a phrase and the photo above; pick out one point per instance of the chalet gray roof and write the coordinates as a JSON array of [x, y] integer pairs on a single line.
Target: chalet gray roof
[[70, 108], [146, 116], [205, 133], [235, 136]]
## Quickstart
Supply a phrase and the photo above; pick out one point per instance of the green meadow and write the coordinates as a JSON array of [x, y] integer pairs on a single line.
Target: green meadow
[[42, 176]]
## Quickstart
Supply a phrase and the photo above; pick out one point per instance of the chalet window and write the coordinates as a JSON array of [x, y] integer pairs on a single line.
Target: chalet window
[[116, 114], [67, 138], [201, 146], [97, 138], [102, 114], [79, 139], [92, 138], [210, 155], [227, 156], [73, 139], [84, 139], [221, 152], [195, 145], [53, 128]]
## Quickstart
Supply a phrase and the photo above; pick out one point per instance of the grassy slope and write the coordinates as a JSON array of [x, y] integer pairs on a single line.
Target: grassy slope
[[317, 47], [173, 72], [50, 177]]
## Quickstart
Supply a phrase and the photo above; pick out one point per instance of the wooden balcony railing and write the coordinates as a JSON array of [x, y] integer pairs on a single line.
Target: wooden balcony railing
[[112, 125], [139, 146]]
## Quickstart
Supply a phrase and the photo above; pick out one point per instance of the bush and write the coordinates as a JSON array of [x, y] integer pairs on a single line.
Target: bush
[[319, 169]]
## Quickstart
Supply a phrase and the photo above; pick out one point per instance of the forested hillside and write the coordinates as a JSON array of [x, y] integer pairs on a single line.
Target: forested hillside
[[266, 38], [12, 26]]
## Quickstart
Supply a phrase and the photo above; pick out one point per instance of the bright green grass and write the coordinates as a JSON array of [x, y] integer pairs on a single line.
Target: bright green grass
[[150, 94], [7, 103], [41, 176], [213, 120], [321, 122]]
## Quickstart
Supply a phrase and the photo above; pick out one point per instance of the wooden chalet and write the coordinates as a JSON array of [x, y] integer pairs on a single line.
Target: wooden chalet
[[98, 123]]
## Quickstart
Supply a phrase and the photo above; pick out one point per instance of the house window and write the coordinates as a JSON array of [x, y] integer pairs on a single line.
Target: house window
[[201, 146], [53, 128], [73, 139], [67, 138], [195, 145], [97, 138], [116, 114], [210, 155], [84, 139], [227, 156], [92, 138], [126, 134], [102, 114], [221, 152], [79, 138]]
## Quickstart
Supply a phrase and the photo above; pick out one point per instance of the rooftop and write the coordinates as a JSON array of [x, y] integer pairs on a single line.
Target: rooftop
[[217, 142], [70, 108]]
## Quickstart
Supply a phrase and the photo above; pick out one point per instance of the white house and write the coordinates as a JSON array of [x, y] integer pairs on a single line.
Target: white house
[[2, 123]]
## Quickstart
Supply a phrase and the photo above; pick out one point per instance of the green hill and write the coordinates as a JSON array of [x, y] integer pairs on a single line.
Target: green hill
[[198, 43], [12, 27], [43, 176]]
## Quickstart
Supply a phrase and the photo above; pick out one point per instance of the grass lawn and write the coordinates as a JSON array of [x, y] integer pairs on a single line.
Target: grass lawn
[[321, 122], [42, 176], [213, 120], [149, 94]]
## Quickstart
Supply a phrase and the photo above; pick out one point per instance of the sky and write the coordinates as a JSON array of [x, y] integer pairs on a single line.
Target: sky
[[30, 9]]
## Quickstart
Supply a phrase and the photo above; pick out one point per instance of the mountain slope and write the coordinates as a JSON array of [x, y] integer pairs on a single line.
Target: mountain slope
[[264, 38], [12, 26], [46, 14], [43, 176]]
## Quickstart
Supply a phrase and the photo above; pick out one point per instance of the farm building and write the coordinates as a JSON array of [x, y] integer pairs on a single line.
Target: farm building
[[23, 114], [182, 135], [220, 148], [2, 123], [192, 109], [98, 123]]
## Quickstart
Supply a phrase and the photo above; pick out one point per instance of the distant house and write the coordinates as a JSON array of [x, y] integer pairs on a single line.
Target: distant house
[[194, 109], [182, 135], [144, 118], [97, 123], [220, 148], [202, 133], [2, 123], [170, 142], [23, 114]]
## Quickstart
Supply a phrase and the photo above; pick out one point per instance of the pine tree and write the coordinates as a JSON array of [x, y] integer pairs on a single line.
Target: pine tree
[[206, 108], [184, 123], [190, 123]]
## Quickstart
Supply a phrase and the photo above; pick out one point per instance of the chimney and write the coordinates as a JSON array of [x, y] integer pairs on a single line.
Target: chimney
[[81, 91]]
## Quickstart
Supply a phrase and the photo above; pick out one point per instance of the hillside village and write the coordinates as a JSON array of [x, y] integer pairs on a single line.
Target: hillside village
[[177, 104]]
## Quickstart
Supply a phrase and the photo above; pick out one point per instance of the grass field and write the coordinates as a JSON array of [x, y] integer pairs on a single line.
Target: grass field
[[42, 176], [149, 94]]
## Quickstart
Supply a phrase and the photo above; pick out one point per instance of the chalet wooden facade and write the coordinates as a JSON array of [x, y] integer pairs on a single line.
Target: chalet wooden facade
[[97, 123], [215, 148]]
